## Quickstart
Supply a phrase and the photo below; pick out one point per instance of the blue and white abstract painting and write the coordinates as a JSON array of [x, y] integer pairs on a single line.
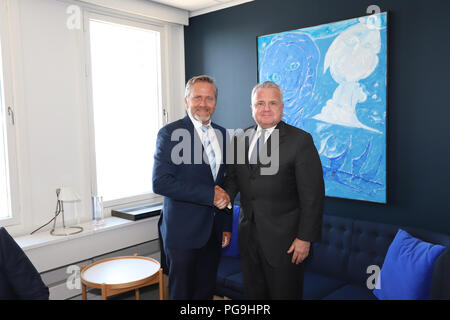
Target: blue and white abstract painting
[[333, 78]]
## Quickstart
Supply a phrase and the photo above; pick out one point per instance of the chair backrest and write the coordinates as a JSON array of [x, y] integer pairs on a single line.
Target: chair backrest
[[19, 279]]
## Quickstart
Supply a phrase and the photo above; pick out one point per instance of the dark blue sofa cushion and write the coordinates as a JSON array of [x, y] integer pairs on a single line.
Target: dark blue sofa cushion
[[19, 279], [229, 278], [235, 282], [316, 286], [351, 292], [229, 293], [370, 242], [330, 255], [227, 267]]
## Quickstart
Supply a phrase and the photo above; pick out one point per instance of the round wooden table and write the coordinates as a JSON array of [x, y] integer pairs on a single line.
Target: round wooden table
[[121, 274]]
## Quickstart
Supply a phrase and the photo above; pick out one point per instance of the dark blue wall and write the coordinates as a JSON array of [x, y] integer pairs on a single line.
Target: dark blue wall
[[223, 45]]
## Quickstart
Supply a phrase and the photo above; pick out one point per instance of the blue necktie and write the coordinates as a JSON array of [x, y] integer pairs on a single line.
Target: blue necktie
[[209, 151]]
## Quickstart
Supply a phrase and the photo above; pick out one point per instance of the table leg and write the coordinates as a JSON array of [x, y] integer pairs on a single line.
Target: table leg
[[104, 291], [161, 285], [83, 291]]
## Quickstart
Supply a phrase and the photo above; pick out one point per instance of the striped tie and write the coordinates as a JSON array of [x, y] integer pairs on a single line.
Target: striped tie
[[209, 151]]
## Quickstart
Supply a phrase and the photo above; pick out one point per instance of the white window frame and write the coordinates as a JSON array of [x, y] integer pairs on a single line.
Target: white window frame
[[8, 115], [162, 112]]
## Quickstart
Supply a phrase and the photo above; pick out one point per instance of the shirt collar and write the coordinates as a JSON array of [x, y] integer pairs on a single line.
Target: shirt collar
[[268, 130]]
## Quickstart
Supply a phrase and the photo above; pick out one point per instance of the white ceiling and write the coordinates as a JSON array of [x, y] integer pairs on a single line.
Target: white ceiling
[[196, 7]]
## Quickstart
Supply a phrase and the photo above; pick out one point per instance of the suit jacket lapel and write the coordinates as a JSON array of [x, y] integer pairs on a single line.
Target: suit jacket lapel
[[281, 134]]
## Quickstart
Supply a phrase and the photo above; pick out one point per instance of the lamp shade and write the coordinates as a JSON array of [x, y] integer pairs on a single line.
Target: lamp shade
[[67, 194]]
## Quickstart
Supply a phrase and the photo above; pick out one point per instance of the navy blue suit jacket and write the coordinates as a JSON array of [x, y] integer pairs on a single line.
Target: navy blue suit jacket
[[19, 279], [188, 188]]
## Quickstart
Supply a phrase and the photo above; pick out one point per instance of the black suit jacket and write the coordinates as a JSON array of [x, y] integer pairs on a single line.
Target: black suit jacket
[[285, 205]]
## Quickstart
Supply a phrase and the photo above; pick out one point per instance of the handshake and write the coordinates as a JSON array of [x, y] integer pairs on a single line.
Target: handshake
[[221, 198]]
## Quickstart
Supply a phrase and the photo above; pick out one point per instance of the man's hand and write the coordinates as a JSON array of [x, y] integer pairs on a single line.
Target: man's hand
[[226, 236], [300, 249], [221, 198]]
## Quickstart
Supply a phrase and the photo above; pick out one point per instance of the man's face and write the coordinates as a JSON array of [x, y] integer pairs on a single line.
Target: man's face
[[267, 107], [201, 102]]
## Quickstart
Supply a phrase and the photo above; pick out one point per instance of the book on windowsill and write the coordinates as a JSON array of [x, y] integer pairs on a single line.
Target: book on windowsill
[[138, 212]]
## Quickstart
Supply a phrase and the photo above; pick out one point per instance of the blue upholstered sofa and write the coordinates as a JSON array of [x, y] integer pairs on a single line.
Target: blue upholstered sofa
[[336, 268]]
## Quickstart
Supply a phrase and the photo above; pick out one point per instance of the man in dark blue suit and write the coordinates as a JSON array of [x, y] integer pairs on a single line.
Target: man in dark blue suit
[[188, 171]]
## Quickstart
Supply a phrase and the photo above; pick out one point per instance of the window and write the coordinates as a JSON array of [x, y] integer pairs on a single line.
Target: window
[[5, 208], [9, 204], [125, 78]]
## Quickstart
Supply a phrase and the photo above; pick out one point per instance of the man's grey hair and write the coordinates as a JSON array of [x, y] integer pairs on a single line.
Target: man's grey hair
[[201, 78], [267, 84]]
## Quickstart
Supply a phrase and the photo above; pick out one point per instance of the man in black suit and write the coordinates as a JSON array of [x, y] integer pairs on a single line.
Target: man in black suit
[[282, 194]]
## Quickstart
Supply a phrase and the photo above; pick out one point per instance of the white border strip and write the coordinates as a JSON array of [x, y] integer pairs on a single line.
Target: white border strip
[[217, 7], [145, 8]]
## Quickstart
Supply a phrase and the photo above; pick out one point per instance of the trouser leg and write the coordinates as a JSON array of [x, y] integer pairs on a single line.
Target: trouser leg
[[264, 281], [206, 269], [285, 282], [193, 272], [181, 263], [255, 286]]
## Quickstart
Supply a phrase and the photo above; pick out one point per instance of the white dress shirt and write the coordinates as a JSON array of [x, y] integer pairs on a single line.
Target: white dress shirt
[[212, 138], [256, 137]]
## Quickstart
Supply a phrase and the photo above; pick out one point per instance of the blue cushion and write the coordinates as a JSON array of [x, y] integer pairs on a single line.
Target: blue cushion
[[232, 249], [351, 292], [407, 269], [228, 292], [235, 282], [330, 255], [316, 285], [227, 267]]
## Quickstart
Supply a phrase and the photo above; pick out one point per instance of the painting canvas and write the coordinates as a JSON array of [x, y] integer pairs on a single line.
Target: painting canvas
[[334, 79]]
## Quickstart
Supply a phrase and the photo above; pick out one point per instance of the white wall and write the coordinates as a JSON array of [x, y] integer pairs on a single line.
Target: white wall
[[51, 106]]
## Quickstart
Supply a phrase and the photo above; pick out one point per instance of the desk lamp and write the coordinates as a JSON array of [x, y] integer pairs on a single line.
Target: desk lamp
[[64, 194]]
